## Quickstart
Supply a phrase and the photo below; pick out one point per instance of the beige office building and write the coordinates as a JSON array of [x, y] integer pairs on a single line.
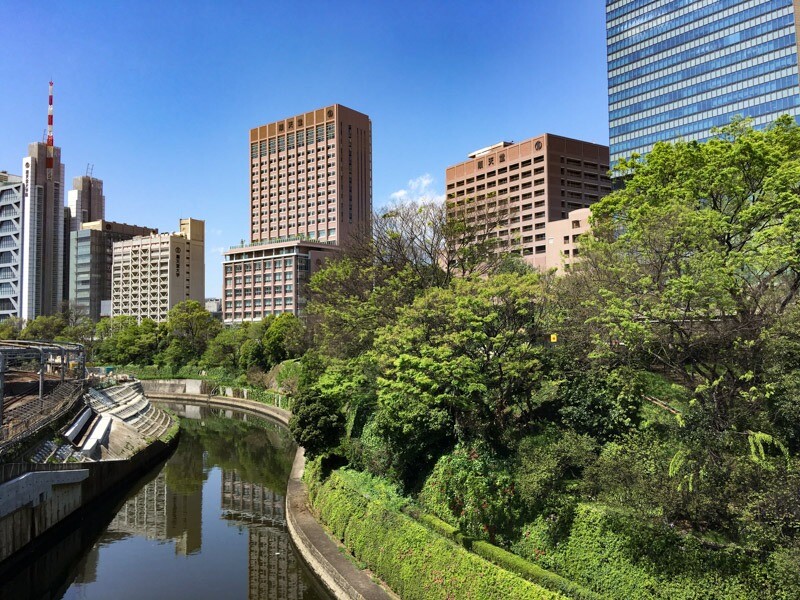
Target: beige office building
[[514, 192], [91, 255], [310, 189], [153, 273], [563, 239]]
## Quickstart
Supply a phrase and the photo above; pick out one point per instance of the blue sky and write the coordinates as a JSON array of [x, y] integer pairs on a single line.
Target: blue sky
[[160, 96]]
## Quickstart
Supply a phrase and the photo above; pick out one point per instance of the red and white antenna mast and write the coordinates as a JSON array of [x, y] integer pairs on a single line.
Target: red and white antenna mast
[[50, 135]]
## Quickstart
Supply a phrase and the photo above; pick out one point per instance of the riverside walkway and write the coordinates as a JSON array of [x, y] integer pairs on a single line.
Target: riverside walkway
[[319, 551]]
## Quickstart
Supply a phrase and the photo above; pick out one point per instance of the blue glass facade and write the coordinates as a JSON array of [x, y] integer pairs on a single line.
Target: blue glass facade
[[678, 68]]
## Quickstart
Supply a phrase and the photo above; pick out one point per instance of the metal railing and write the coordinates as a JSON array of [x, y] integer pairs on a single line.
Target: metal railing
[[9, 471], [53, 407]]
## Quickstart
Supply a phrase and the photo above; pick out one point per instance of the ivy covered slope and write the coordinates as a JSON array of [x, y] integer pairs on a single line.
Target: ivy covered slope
[[415, 562], [652, 452]]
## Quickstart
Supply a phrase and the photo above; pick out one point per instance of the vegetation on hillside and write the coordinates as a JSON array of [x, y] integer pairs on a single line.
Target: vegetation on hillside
[[653, 450]]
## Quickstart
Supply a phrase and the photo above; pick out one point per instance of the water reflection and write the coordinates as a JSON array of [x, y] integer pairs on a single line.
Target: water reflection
[[210, 524], [157, 512]]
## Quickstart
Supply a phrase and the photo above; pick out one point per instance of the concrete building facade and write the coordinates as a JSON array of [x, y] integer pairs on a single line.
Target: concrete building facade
[[11, 193], [563, 237], [85, 203], [513, 192], [310, 189], [91, 259], [42, 232], [267, 279], [678, 69], [151, 274]]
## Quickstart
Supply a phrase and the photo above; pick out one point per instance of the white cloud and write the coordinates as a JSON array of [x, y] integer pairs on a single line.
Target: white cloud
[[418, 190]]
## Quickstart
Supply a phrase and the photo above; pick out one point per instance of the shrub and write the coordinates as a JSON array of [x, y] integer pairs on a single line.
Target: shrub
[[415, 562], [616, 556], [474, 490], [546, 461], [601, 403], [317, 422]]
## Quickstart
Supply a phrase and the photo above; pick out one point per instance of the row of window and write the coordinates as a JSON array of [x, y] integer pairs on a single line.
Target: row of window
[[289, 141], [639, 69], [266, 265], [703, 106], [697, 14], [636, 16], [703, 127], [633, 8], [643, 50], [257, 302], [743, 108], [299, 156], [735, 74], [256, 314], [257, 278], [266, 291]]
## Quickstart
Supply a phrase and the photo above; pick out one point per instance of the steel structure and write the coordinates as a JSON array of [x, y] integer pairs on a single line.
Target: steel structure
[[35, 362]]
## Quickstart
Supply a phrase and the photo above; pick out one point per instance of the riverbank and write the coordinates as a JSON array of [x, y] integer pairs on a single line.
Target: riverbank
[[117, 436], [319, 552]]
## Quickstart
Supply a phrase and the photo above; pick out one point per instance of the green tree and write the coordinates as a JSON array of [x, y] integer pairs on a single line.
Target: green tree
[[283, 339], [687, 267], [10, 328], [46, 328], [462, 363], [123, 340], [317, 422], [189, 328], [225, 348]]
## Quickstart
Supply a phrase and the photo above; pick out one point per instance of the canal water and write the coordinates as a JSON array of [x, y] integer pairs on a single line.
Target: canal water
[[208, 523]]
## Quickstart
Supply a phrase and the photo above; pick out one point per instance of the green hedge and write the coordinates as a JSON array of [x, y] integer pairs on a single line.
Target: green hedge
[[507, 560], [532, 572], [444, 528], [415, 562], [611, 554]]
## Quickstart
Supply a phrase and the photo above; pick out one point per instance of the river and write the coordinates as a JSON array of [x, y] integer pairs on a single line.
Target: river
[[207, 523]]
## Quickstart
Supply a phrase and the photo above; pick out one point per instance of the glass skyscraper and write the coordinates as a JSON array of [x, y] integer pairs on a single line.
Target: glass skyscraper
[[677, 68]]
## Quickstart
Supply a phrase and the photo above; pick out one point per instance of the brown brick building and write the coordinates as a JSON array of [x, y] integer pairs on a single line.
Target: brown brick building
[[512, 191], [310, 188]]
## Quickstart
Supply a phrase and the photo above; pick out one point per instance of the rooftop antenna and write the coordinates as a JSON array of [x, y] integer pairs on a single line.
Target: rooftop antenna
[[50, 134], [89, 169]]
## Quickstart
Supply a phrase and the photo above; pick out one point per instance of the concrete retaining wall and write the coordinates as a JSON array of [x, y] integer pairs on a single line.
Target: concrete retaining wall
[[36, 502]]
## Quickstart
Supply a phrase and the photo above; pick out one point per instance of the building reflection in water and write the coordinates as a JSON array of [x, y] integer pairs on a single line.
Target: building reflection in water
[[274, 571], [159, 513]]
